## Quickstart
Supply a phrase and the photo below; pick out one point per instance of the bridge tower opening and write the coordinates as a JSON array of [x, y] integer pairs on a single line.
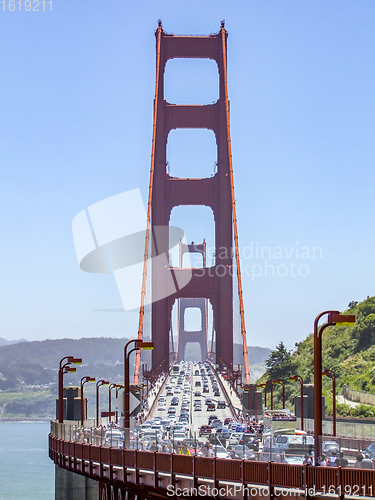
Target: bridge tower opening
[[198, 335]]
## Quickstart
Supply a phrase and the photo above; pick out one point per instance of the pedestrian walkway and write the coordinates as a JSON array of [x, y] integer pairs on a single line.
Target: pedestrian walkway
[[232, 396], [342, 400]]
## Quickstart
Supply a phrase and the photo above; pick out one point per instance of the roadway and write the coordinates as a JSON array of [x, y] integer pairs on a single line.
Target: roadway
[[196, 418]]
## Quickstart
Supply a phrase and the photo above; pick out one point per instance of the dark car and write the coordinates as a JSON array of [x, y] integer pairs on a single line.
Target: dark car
[[221, 404], [249, 440], [330, 448], [211, 407], [217, 394], [370, 450]]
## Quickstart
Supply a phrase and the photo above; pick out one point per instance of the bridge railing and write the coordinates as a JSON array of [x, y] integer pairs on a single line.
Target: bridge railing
[[273, 450], [145, 468]]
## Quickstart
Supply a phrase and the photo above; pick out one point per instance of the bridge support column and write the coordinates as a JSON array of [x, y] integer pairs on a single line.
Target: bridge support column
[[72, 486]]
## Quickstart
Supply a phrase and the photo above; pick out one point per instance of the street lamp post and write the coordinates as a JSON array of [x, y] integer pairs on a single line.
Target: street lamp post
[[138, 344], [334, 317], [111, 386], [271, 391], [281, 381], [331, 374], [65, 367], [300, 380], [83, 381], [98, 384]]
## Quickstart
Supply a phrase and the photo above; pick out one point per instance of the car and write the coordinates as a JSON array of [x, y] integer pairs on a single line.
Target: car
[[172, 411], [240, 452], [220, 451], [241, 428], [216, 423], [197, 383], [197, 393], [145, 426], [177, 427], [224, 432], [114, 438], [178, 437], [196, 373], [213, 417], [205, 388], [162, 407], [235, 437], [217, 394], [169, 392], [370, 450], [227, 420], [197, 408], [205, 430], [249, 440], [211, 407], [331, 449], [221, 404]]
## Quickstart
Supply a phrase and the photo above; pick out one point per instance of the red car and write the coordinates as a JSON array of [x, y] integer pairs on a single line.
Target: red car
[[227, 420], [204, 430]]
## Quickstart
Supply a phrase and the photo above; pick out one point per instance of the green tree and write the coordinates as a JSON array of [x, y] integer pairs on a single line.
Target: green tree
[[280, 362]]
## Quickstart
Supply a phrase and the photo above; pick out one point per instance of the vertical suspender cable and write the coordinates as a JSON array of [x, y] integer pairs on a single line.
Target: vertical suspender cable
[[240, 294], [142, 308]]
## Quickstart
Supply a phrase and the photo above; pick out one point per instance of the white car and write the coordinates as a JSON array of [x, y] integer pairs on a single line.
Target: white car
[[114, 438], [235, 437], [178, 428], [177, 437]]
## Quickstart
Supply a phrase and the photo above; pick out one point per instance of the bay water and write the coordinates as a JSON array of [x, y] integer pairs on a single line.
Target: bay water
[[26, 471]]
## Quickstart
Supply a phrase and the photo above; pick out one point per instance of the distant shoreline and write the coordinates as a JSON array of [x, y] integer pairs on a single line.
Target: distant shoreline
[[24, 420]]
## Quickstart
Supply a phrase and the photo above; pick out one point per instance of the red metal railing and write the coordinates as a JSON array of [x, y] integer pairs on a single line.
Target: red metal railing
[[98, 462]]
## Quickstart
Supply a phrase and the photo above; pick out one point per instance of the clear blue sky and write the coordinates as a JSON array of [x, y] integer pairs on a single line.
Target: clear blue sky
[[77, 87]]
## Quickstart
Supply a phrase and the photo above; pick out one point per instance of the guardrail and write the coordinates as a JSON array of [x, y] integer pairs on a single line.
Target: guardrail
[[163, 472]]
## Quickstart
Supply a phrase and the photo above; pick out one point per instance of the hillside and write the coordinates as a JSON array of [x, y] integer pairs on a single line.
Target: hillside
[[32, 363], [347, 350], [47, 353], [28, 371]]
